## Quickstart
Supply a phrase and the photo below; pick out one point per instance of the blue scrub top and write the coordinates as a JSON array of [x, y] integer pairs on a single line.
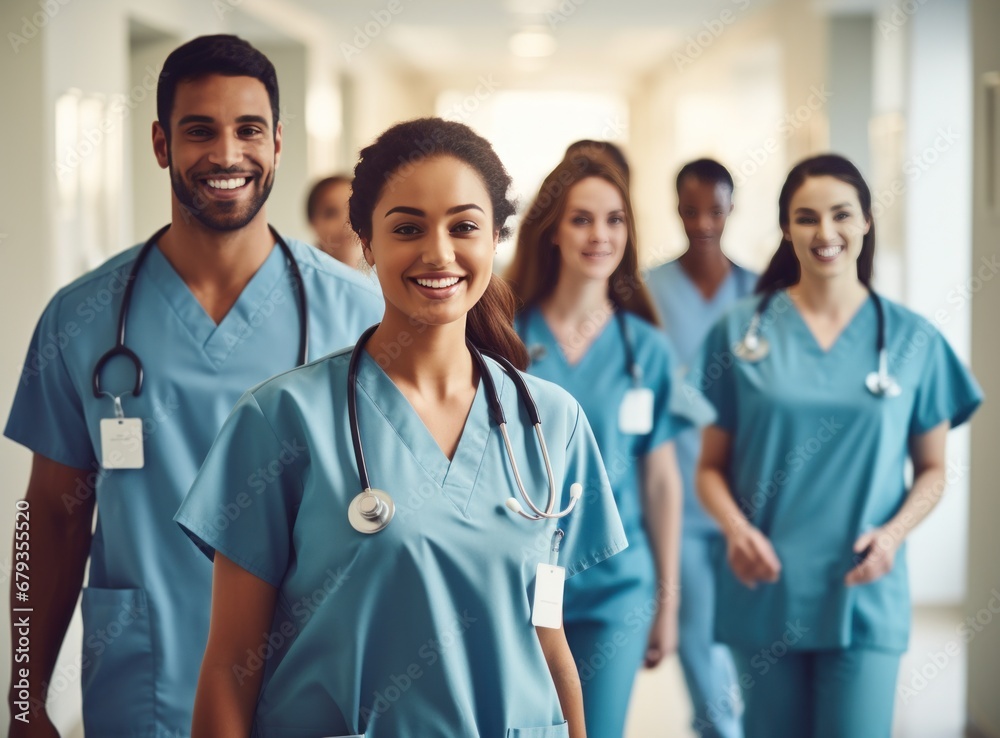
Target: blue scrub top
[[599, 382], [146, 606], [424, 628], [816, 460], [687, 317]]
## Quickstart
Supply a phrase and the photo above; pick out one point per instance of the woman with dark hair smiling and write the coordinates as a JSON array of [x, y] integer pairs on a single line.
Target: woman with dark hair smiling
[[418, 582], [823, 391]]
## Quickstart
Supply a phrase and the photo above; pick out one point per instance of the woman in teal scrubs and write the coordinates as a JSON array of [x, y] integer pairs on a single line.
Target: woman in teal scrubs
[[424, 628], [589, 326], [804, 468]]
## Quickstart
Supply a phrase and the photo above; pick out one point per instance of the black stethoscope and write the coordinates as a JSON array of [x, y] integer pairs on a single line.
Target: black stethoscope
[[372, 509], [880, 383], [120, 349]]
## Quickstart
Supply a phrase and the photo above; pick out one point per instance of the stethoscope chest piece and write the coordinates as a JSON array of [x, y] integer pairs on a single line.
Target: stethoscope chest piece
[[752, 348], [371, 511], [882, 385]]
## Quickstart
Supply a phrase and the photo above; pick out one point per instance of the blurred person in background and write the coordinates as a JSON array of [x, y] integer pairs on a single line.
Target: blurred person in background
[[326, 209], [691, 293]]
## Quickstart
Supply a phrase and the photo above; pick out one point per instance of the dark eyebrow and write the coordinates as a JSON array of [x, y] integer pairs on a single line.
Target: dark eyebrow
[[209, 119], [259, 119], [195, 119], [422, 214], [839, 206]]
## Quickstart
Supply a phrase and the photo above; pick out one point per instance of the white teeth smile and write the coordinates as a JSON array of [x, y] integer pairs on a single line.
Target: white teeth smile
[[828, 252], [438, 284], [226, 184]]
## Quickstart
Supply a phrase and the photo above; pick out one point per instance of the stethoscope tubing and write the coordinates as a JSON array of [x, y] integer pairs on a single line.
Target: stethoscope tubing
[[120, 349], [499, 417]]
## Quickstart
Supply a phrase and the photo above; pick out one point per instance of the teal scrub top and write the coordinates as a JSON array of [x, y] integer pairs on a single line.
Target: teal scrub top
[[687, 317], [147, 601], [599, 382], [423, 629], [816, 460]]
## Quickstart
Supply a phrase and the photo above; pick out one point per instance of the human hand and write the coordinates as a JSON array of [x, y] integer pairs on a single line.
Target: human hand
[[751, 556], [662, 640], [875, 551]]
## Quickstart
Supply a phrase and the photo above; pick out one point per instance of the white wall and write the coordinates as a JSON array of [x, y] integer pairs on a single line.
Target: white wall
[[25, 227], [752, 97], [938, 253], [850, 67]]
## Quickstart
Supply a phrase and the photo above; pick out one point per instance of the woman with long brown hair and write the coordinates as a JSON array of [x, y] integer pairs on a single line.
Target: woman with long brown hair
[[401, 606], [590, 326]]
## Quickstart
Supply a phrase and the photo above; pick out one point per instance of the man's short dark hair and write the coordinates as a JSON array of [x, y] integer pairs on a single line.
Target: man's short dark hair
[[219, 54], [706, 170], [312, 201]]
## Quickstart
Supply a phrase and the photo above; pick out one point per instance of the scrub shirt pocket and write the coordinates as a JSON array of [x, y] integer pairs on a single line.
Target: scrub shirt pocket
[[117, 661], [554, 731]]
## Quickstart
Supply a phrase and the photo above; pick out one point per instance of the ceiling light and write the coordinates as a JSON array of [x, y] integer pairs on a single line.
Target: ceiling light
[[532, 44]]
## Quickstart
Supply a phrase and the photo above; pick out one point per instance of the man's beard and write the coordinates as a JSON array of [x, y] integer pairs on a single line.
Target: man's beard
[[221, 215]]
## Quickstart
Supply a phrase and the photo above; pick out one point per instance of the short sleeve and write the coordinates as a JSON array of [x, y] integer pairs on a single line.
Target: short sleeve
[[711, 377], [47, 415], [947, 390], [593, 531], [244, 500], [677, 407]]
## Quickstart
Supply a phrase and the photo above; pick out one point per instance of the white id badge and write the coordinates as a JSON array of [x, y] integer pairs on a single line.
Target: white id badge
[[546, 609], [635, 416], [121, 443]]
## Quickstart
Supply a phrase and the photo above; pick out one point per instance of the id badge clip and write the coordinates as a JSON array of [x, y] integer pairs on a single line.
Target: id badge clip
[[550, 584], [121, 440], [635, 415]]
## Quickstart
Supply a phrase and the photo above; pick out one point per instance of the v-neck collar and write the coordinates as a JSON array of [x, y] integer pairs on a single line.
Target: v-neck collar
[[847, 335], [706, 302], [456, 477], [216, 340], [541, 325]]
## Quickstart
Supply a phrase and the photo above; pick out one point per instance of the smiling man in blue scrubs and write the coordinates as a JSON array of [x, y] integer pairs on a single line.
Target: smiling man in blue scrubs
[[691, 294], [214, 310]]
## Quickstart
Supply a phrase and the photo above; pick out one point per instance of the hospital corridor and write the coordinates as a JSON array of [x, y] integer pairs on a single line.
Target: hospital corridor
[[499, 368]]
